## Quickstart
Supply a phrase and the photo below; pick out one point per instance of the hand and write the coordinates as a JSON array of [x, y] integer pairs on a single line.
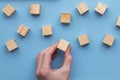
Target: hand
[[44, 71]]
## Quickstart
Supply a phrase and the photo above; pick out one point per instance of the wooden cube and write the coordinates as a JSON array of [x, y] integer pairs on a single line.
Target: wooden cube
[[82, 8], [83, 40], [118, 22], [11, 45], [8, 10], [108, 40], [47, 30], [101, 8], [35, 9], [65, 18], [63, 45], [23, 30]]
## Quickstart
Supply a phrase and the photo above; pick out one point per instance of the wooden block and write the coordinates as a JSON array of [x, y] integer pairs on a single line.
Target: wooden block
[[20, 28], [108, 40], [118, 22], [83, 40], [8, 10], [65, 18], [101, 8], [23, 30], [63, 45], [47, 30], [11, 45], [35, 9], [82, 8]]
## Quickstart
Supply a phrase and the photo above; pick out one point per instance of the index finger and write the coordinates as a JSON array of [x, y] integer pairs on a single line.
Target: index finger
[[48, 55]]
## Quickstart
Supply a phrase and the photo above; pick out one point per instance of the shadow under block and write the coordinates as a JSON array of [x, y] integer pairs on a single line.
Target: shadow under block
[[23, 30], [11, 45], [63, 45], [65, 18], [101, 8], [82, 8], [47, 30], [118, 22], [108, 40], [8, 10], [35, 9], [83, 40]]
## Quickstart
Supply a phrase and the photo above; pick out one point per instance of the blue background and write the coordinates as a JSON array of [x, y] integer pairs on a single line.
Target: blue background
[[95, 61]]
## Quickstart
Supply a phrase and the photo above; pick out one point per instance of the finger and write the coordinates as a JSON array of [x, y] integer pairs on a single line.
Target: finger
[[48, 55], [39, 61], [54, 55], [40, 54], [68, 59], [53, 48], [39, 58]]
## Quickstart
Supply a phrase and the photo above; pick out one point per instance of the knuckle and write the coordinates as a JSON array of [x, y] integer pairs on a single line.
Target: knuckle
[[52, 49], [45, 54], [70, 58], [44, 72], [37, 74], [41, 53]]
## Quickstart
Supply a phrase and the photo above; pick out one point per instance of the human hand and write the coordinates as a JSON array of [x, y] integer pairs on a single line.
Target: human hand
[[44, 71]]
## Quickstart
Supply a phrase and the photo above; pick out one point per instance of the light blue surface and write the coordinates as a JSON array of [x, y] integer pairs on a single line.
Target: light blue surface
[[92, 62]]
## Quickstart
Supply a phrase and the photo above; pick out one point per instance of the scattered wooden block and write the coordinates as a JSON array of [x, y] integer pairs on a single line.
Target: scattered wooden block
[[47, 30], [35, 9], [83, 40], [65, 18], [82, 8], [8, 10], [63, 45], [23, 30], [101, 8], [108, 40], [118, 22], [11, 45]]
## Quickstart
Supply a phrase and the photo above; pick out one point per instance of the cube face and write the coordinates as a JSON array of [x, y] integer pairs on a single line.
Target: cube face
[[20, 28], [11, 45], [63, 45], [108, 40], [83, 40], [35, 9], [118, 22], [23, 30], [65, 18], [101, 8], [8, 10], [47, 30], [82, 8]]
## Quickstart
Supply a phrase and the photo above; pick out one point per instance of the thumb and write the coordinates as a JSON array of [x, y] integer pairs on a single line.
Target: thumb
[[68, 59]]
